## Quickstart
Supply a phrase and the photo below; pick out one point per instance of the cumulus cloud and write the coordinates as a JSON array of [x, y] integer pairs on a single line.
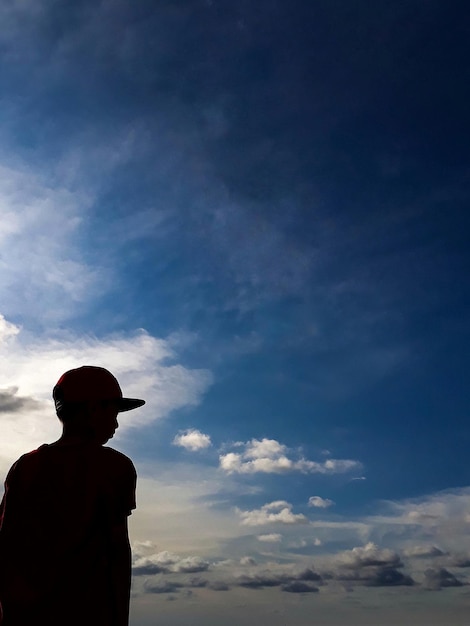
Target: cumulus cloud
[[192, 439], [368, 555], [320, 503], [146, 367], [167, 562], [371, 566], [271, 457], [278, 512]]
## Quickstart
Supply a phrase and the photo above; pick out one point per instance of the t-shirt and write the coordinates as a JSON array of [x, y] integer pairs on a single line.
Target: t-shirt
[[56, 516]]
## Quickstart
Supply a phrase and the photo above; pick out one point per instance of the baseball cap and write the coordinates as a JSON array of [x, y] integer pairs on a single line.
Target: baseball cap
[[91, 383]]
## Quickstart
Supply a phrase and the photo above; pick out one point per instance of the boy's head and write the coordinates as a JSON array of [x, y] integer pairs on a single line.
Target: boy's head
[[90, 398]]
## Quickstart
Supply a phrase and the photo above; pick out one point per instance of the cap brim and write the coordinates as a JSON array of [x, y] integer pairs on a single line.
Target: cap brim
[[126, 404]]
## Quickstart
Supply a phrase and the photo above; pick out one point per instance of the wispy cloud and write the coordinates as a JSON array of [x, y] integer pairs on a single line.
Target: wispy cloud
[[270, 538], [271, 457], [39, 225]]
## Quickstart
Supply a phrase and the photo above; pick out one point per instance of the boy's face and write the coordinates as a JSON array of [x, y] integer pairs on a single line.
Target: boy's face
[[103, 420]]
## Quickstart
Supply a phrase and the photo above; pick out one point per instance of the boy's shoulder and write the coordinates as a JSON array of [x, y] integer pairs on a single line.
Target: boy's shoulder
[[114, 456], [100, 456]]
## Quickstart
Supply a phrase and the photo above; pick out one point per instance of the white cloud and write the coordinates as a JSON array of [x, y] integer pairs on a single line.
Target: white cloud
[[268, 456], [368, 555], [192, 439], [320, 503], [279, 511], [168, 562], [270, 538], [264, 448], [142, 363]]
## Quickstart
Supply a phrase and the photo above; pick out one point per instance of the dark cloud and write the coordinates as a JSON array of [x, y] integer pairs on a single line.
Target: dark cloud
[[259, 581], [376, 576], [298, 586], [438, 578], [148, 569], [309, 574], [389, 577], [11, 403], [275, 579]]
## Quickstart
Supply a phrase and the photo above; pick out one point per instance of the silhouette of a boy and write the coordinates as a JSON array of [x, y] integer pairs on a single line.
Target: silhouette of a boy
[[64, 548]]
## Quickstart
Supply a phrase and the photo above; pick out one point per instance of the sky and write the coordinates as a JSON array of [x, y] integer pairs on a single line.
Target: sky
[[256, 215]]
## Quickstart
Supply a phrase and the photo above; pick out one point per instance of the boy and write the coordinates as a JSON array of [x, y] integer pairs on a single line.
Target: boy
[[64, 548]]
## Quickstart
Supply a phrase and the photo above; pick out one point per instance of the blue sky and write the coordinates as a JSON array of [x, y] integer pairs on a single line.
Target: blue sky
[[256, 215]]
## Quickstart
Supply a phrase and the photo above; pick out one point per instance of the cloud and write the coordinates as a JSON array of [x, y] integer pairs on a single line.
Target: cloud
[[368, 555], [164, 586], [387, 577], [11, 403], [423, 552], [258, 581], [320, 503], [247, 561], [278, 512], [167, 562], [436, 579], [309, 574], [192, 439], [270, 538], [459, 560], [271, 457], [146, 367], [371, 566], [439, 519], [298, 586], [40, 223], [289, 581]]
